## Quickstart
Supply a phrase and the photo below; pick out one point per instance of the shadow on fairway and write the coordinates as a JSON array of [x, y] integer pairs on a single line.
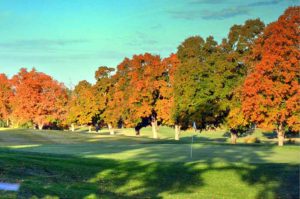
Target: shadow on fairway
[[65, 176], [71, 177]]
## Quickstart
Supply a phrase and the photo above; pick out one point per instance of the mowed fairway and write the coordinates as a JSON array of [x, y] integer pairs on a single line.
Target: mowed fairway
[[57, 164]]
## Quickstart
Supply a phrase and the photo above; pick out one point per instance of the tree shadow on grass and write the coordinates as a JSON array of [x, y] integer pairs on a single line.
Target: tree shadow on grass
[[274, 180], [73, 177], [270, 135], [66, 176]]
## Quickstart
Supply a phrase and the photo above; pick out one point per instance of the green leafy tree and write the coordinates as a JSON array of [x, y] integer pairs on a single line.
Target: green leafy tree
[[209, 73], [198, 89], [6, 94], [102, 90], [83, 106], [238, 49]]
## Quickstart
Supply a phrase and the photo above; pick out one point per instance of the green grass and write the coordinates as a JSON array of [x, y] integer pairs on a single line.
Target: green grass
[[56, 164]]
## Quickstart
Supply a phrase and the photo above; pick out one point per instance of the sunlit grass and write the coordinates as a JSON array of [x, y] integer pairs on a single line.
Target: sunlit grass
[[23, 146], [74, 177], [206, 146], [78, 164]]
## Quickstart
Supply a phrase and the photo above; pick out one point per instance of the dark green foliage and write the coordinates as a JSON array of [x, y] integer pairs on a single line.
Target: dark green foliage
[[241, 37], [2, 123], [209, 73]]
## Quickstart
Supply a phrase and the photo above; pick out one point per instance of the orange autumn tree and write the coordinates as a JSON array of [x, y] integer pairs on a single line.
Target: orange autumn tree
[[144, 74], [116, 105], [38, 98], [271, 93], [138, 82], [165, 103], [5, 96]]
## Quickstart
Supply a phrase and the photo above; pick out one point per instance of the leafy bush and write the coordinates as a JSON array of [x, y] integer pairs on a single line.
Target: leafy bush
[[2, 123], [250, 140], [291, 141], [26, 125]]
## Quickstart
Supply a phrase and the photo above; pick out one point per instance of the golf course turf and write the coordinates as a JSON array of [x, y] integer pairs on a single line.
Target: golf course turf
[[55, 164]]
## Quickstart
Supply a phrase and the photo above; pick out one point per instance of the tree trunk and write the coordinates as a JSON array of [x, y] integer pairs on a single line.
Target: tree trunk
[[40, 126], [233, 137], [72, 127], [280, 135], [154, 129], [7, 123], [177, 132], [90, 128], [111, 130], [137, 130]]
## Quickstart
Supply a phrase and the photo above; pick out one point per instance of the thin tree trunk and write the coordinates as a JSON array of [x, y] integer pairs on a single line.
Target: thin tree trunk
[[72, 127], [111, 130], [137, 130], [177, 132], [233, 135], [7, 123], [280, 135], [40, 126], [233, 138], [154, 129], [90, 128]]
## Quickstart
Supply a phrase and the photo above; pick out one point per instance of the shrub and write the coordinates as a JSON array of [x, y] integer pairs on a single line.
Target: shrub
[[2, 123], [291, 141], [26, 125], [250, 140]]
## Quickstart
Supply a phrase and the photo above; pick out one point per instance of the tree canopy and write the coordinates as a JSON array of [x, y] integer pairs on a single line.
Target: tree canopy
[[37, 98], [271, 93], [249, 78]]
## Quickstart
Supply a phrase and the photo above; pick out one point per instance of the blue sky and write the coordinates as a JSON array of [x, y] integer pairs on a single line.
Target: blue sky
[[70, 39]]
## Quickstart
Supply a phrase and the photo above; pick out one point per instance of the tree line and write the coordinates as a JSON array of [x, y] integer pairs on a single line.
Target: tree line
[[249, 78]]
